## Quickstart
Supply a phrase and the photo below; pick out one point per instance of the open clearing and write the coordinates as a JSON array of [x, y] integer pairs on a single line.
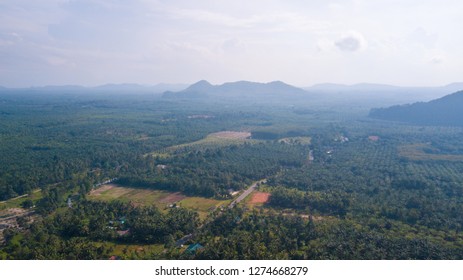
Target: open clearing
[[217, 139], [259, 198], [158, 198], [173, 198], [8, 218], [296, 140], [231, 135], [213, 140], [17, 201], [424, 151]]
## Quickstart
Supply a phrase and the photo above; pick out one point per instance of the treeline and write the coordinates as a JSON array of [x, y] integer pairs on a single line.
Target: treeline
[[273, 236]]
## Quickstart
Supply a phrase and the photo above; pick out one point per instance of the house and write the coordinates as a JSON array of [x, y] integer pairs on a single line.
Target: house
[[161, 166], [193, 248], [123, 232], [183, 240]]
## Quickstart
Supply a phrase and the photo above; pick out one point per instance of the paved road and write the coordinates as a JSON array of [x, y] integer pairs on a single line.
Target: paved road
[[245, 193]]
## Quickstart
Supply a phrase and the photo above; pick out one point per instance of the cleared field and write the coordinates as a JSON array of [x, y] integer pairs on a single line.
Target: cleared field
[[17, 201], [202, 205], [256, 199], [259, 198], [158, 198], [213, 140], [296, 140], [231, 135], [424, 151]]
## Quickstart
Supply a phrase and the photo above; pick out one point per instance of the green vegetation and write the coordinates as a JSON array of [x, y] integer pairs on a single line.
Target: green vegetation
[[336, 192], [445, 111]]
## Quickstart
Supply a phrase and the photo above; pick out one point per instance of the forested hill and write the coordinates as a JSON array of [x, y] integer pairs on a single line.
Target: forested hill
[[443, 111], [235, 89]]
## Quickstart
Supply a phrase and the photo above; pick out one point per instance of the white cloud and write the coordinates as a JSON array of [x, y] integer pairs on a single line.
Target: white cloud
[[351, 42], [233, 46], [179, 40], [436, 60]]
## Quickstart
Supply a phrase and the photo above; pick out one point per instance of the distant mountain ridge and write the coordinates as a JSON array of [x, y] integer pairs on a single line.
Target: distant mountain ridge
[[234, 89], [126, 87], [447, 111], [378, 87]]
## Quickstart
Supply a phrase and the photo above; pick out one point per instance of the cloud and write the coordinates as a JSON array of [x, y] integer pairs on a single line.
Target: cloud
[[421, 36], [437, 59], [233, 45], [352, 42]]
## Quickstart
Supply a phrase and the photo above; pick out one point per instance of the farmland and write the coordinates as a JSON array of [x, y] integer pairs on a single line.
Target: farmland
[[214, 140], [160, 199]]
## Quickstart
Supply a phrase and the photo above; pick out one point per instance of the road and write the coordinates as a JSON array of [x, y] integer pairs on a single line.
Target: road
[[245, 193]]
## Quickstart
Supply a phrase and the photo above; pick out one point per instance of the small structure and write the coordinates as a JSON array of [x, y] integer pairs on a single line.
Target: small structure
[[183, 240], [341, 138], [123, 232], [161, 166], [311, 157], [232, 192], [373, 138], [193, 248]]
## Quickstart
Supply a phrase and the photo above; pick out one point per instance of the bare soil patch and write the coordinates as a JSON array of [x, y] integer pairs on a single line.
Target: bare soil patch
[[172, 198], [259, 198], [8, 219]]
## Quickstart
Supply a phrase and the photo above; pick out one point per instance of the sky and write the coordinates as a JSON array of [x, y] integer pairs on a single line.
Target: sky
[[82, 42]]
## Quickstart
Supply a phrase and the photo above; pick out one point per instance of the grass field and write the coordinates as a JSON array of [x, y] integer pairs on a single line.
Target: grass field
[[141, 251], [158, 198], [213, 140], [424, 151], [17, 201]]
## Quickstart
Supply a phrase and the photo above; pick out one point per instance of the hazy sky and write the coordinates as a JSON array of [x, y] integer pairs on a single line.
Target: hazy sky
[[407, 42]]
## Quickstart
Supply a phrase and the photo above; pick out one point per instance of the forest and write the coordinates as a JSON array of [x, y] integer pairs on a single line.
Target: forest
[[341, 185]]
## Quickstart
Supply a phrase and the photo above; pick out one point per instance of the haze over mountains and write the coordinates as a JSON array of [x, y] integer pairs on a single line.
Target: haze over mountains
[[205, 88], [240, 88], [361, 97], [445, 111], [123, 87]]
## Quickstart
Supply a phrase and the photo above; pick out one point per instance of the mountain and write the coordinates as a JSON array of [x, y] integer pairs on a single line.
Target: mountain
[[329, 87], [235, 89], [445, 111], [159, 88], [117, 87], [368, 87]]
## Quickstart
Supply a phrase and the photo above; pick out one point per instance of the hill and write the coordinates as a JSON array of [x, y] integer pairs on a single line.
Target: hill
[[235, 89], [443, 111]]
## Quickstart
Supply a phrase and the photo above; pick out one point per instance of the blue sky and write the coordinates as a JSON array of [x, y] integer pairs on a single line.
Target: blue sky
[[55, 42]]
